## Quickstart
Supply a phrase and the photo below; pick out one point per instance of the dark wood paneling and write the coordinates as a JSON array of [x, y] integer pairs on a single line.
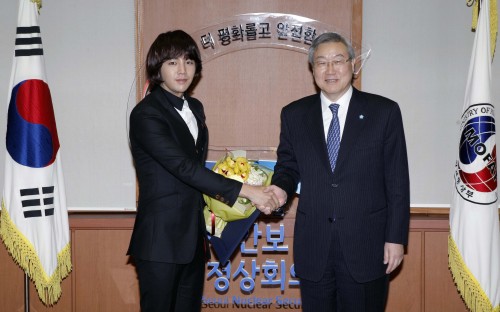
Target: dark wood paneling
[[440, 291], [104, 280], [12, 289], [408, 279]]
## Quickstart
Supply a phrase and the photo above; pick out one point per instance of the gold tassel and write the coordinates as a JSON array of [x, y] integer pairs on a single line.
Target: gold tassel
[[493, 22], [475, 13], [38, 4], [470, 289], [493, 26]]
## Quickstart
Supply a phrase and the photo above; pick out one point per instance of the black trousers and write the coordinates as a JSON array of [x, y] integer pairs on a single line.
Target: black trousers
[[337, 291], [171, 287]]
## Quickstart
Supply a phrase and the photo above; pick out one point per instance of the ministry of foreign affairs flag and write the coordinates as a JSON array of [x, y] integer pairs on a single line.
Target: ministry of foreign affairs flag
[[34, 219], [474, 240]]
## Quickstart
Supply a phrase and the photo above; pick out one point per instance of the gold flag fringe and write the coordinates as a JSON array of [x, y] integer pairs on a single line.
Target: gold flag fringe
[[38, 4], [24, 254], [493, 22], [471, 291], [475, 14]]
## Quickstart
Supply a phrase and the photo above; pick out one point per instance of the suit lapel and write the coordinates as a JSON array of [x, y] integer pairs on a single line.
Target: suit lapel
[[202, 139], [200, 118], [355, 121], [313, 120], [175, 117], [169, 107]]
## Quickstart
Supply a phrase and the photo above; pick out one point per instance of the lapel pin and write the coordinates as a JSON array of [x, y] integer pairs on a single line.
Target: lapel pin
[[361, 117]]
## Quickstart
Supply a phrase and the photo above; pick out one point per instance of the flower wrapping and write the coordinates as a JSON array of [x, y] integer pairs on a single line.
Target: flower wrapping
[[234, 165]]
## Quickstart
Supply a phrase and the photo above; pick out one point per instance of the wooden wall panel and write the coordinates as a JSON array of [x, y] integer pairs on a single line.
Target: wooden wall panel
[[406, 286], [11, 283], [272, 292], [243, 91], [440, 291], [12, 289], [104, 280]]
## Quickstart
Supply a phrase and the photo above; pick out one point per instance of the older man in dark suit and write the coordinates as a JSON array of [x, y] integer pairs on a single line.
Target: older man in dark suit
[[348, 151]]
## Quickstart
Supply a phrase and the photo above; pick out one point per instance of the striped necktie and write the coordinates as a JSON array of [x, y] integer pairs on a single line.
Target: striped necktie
[[333, 137]]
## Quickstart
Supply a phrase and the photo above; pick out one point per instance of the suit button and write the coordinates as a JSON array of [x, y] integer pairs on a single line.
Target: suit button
[[334, 185], [217, 196]]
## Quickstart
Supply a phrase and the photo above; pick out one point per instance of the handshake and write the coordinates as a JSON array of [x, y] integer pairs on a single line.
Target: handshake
[[266, 198]]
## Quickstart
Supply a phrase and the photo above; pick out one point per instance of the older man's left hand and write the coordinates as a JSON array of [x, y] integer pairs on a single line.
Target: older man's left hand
[[393, 256]]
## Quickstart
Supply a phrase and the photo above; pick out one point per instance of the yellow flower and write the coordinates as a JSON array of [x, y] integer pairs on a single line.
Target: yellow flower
[[216, 213]]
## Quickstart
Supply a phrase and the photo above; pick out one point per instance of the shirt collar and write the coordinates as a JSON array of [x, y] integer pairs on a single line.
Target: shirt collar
[[176, 101], [343, 101]]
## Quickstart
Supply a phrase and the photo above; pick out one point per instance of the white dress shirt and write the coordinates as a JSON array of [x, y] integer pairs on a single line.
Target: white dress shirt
[[342, 112], [188, 117]]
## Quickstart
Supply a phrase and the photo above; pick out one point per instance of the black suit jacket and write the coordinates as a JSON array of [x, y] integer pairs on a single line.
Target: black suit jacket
[[172, 177], [366, 198]]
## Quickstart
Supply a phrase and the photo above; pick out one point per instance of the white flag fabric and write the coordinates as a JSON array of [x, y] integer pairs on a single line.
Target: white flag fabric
[[474, 240], [34, 218]]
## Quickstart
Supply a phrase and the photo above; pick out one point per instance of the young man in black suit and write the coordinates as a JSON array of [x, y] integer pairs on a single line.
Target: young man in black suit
[[169, 138], [353, 213]]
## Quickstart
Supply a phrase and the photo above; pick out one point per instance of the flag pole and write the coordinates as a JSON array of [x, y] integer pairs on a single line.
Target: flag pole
[[36, 235], [26, 292]]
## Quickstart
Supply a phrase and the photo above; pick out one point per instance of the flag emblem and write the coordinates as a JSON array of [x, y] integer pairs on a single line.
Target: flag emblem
[[476, 178], [32, 201], [32, 122]]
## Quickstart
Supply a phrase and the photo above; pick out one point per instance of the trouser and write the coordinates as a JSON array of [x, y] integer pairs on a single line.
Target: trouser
[[337, 291], [171, 287]]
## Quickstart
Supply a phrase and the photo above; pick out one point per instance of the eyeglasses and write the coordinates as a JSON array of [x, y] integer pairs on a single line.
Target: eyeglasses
[[336, 63]]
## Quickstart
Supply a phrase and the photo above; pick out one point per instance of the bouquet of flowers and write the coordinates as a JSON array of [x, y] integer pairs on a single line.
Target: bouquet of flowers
[[234, 165]]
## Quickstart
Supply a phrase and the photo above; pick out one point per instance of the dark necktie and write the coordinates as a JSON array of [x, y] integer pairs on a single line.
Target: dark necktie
[[333, 137]]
